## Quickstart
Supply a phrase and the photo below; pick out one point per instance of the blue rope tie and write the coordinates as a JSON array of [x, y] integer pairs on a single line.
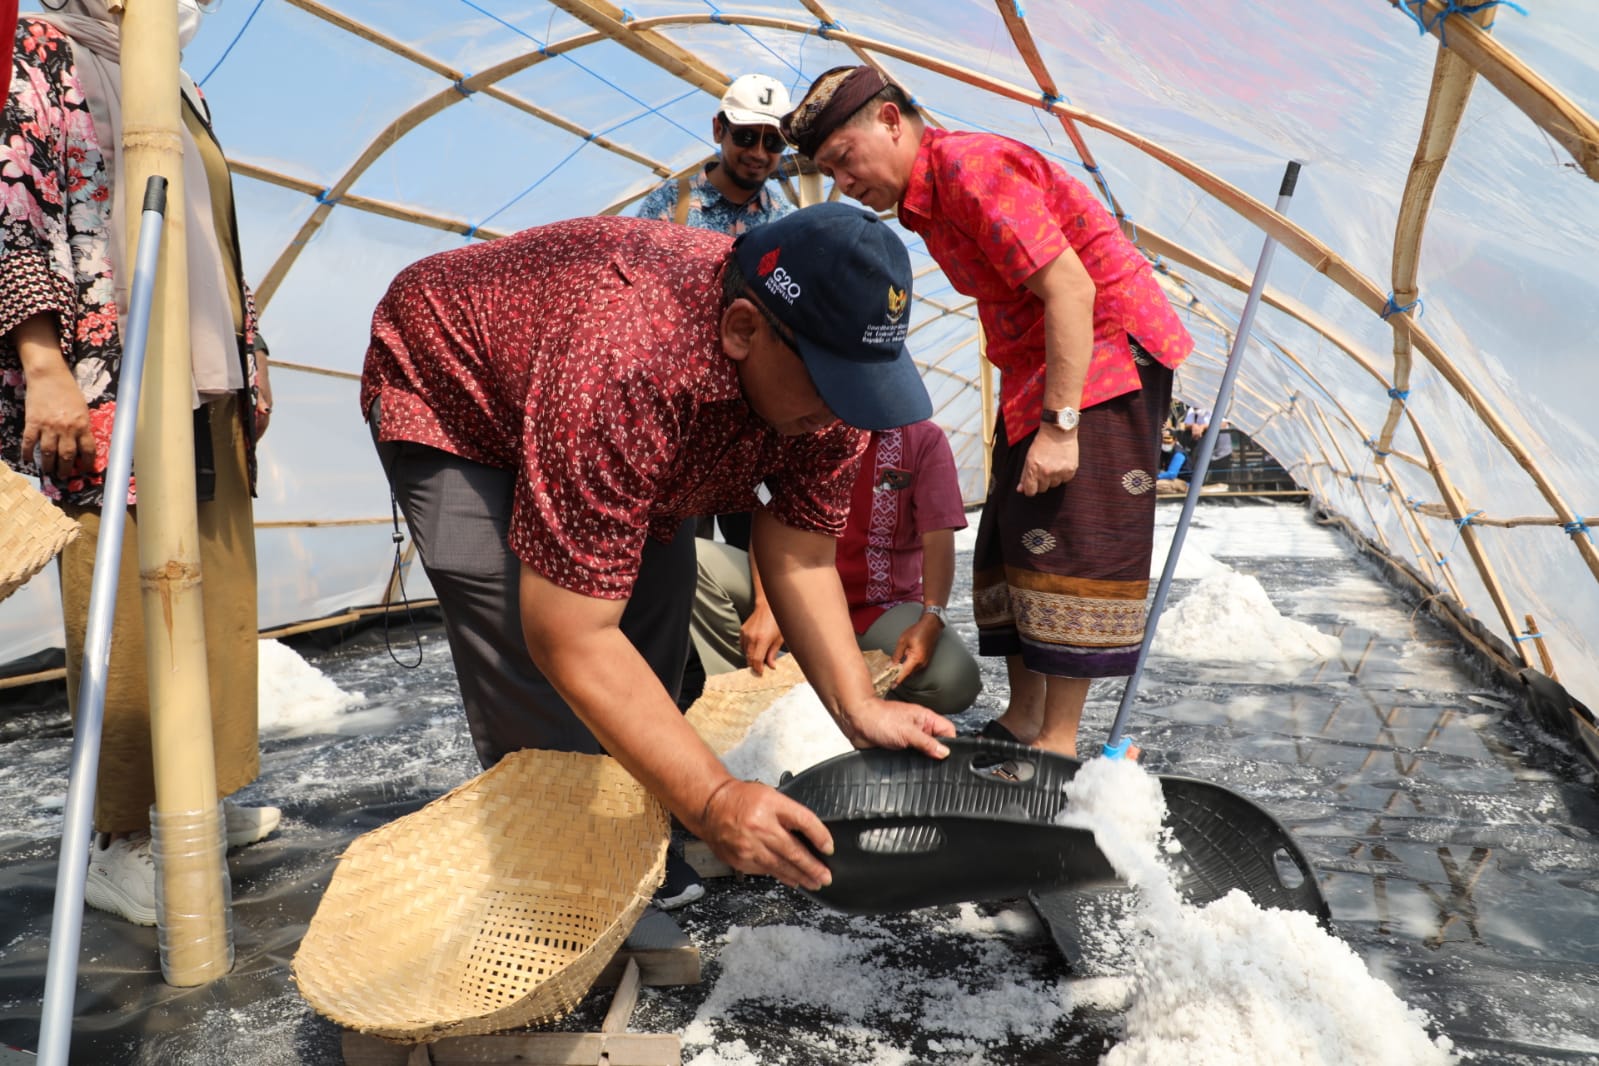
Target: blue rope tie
[[323, 198], [471, 231], [1451, 7], [823, 28], [1578, 527], [1413, 503], [1465, 520], [1371, 442], [1399, 394], [229, 49], [1050, 100], [1391, 308], [1528, 636], [627, 16], [716, 17], [460, 87], [1016, 5]]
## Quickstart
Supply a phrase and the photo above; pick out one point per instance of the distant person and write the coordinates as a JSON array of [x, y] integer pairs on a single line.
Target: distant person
[[1195, 421], [731, 193], [1173, 464], [552, 408], [897, 563], [1085, 341], [64, 279]]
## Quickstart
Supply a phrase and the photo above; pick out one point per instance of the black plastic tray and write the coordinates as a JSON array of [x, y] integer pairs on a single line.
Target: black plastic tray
[[909, 832]]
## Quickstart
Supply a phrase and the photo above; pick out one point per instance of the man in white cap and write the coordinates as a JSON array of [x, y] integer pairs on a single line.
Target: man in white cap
[[730, 194]]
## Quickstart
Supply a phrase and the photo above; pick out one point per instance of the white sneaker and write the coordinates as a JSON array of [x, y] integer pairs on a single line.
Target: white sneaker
[[246, 825], [122, 877]]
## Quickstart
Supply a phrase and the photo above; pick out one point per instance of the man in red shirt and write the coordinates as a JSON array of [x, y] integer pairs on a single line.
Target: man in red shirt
[[546, 404], [1085, 341], [896, 560]]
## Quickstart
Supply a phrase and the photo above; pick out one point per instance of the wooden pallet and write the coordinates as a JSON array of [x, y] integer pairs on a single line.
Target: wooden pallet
[[657, 953]]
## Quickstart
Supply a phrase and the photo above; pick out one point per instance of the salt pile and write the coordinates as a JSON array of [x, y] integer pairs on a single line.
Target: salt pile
[[1228, 617], [793, 734], [1231, 984], [295, 697]]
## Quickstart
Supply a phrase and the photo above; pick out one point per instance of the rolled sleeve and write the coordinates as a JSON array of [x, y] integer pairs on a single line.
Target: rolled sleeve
[[811, 490]]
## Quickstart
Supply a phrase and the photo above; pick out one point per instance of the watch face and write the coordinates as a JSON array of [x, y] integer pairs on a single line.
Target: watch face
[[1065, 418]]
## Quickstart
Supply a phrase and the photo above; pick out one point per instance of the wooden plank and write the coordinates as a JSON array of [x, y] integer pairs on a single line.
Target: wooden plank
[[622, 1003], [526, 1049], [700, 856], [657, 967]]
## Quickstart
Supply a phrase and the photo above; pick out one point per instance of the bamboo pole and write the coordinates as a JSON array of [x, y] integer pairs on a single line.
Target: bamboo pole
[[458, 91], [1452, 81], [1022, 37], [1541, 102], [1535, 635], [194, 922]]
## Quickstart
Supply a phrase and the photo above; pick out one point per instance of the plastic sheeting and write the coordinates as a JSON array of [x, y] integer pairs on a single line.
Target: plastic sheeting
[[585, 124]]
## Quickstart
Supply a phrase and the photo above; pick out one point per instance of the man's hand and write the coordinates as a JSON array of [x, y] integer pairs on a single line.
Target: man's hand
[[914, 649], [880, 723], [760, 638], [56, 419], [756, 829], [1051, 460]]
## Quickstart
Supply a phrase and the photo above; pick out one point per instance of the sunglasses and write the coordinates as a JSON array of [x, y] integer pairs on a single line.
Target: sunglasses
[[746, 136]]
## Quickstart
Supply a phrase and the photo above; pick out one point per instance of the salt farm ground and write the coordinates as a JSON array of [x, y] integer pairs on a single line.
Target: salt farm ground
[[1454, 844]]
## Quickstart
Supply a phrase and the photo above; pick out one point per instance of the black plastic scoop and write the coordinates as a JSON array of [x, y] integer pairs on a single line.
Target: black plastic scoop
[[909, 832]]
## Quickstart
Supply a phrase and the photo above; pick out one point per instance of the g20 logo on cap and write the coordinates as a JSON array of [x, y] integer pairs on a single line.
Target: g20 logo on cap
[[780, 283], [897, 299]]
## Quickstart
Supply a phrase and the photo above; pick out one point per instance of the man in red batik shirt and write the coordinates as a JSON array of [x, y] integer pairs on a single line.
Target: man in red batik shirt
[[552, 407], [1085, 341]]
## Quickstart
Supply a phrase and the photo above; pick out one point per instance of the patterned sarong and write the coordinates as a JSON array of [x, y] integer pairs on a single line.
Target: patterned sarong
[[1061, 578]]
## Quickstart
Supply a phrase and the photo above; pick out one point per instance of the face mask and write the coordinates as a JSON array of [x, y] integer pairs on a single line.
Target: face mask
[[188, 22]]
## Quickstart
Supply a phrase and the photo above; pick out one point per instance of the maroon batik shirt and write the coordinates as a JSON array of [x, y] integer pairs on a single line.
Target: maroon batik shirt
[[587, 355]]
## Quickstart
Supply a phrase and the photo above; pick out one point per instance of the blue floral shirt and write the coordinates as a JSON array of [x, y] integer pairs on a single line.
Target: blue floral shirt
[[711, 210]]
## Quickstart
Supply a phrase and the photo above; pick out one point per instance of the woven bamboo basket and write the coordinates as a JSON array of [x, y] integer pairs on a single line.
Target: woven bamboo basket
[[493, 907], [498, 904], [32, 531]]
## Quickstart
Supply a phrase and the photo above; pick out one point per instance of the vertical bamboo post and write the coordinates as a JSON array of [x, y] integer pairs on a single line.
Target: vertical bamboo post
[[195, 937]]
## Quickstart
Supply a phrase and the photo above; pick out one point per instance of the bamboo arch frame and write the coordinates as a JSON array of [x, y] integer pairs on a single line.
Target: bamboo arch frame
[[1547, 108]]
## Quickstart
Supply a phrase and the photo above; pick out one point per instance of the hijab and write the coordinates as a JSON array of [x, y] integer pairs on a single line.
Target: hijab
[[213, 343]]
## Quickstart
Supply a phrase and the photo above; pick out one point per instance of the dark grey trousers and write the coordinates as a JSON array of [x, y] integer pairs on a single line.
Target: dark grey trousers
[[459, 513]]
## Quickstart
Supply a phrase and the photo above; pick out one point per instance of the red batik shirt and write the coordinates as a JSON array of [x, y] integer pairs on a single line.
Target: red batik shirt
[[587, 355], [993, 213], [907, 487]]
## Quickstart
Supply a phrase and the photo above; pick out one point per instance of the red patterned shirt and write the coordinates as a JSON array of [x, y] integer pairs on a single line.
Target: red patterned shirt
[[907, 487], [993, 213], [587, 355]]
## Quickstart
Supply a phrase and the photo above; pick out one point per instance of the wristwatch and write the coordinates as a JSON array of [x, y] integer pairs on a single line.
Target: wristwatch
[[938, 611], [1065, 417]]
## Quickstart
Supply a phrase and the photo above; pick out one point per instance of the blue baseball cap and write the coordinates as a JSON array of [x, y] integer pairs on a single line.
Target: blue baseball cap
[[840, 280]]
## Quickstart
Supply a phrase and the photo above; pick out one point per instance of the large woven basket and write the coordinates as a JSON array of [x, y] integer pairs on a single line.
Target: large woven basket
[[32, 531], [493, 907], [498, 904]]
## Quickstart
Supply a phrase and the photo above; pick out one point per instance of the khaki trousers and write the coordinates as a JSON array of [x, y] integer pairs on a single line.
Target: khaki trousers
[[126, 781]]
